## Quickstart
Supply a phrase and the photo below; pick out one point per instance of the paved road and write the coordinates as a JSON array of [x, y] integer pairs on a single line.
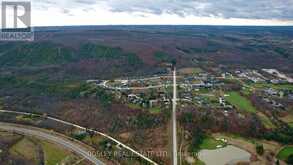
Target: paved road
[[80, 150], [174, 127], [83, 128], [148, 78], [104, 85]]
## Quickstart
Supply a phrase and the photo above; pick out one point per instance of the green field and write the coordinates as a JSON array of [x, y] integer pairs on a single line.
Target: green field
[[285, 152], [240, 102], [210, 143], [155, 110], [53, 154], [25, 148]]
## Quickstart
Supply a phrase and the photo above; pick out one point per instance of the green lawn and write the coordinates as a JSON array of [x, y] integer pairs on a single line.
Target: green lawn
[[53, 154], [240, 102], [155, 110], [211, 143], [189, 70], [285, 152]]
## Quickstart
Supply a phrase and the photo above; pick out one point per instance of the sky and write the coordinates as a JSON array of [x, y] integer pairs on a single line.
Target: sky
[[162, 12]]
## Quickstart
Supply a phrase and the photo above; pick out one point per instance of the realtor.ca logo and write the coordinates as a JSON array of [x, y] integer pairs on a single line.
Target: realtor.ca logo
[[16, 21]]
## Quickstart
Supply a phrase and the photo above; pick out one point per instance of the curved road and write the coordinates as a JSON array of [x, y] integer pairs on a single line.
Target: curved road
[[83, 128], [30, 131], [104, 85]]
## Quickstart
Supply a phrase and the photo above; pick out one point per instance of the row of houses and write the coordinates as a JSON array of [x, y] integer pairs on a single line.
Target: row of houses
[[149, 103]]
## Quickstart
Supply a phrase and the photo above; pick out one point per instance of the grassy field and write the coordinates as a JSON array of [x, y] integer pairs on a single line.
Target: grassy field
[[189, 71], [240, 102], [155, 110], [285, 152], [288, 119], [266, 121], [53, 154], [31, 150], [211, 143], [274, 86], [25, 148]]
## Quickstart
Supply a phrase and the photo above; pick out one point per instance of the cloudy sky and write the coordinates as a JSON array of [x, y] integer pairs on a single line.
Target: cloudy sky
[[199, 12]]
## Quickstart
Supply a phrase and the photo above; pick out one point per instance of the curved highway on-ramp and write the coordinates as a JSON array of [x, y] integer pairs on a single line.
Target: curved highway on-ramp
[[70, 145], [83, 128]]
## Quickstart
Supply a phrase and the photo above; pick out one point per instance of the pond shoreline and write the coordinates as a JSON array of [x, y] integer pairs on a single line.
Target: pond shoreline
[[228, 155]]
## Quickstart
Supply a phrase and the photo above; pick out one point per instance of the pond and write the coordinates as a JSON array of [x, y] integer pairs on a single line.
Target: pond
[[229, 155]]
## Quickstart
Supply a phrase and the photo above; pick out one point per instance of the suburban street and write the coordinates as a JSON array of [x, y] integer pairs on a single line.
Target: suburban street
[[104, 85], [70, 145], [174, 132]]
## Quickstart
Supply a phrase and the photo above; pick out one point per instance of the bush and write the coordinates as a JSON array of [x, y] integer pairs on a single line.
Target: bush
[[198, 136], [290, 159], [80, 136], [278, 162], [104, 98], [259, 149]]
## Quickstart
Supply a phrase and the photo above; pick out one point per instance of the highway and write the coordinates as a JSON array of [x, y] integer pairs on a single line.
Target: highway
[[174, 127], [46, 135], [86, 129]]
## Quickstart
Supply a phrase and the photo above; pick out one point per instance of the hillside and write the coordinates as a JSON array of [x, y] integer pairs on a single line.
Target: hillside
[[118, 51]]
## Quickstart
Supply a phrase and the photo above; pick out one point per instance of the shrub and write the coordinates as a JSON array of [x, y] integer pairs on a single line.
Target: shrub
[[259, 149], [290, 159]]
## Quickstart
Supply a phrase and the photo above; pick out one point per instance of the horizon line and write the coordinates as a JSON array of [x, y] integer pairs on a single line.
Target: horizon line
[[165, 25]]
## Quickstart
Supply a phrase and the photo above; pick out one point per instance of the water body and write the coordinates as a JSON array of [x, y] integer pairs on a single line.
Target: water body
[[229, 155]]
